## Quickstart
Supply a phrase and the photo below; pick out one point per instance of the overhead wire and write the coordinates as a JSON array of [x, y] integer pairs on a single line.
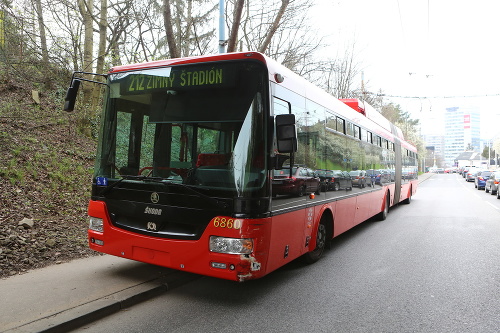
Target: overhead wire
[[433, 97]]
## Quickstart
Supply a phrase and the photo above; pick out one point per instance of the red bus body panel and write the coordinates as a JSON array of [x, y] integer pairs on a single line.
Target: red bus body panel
[[185, 255], [277, 239]]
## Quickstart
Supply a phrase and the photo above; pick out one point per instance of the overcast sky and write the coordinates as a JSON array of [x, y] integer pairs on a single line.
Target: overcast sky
[[450, 47]]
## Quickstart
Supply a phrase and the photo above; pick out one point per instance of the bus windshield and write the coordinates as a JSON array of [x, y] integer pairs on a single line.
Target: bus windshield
[[201, 126]]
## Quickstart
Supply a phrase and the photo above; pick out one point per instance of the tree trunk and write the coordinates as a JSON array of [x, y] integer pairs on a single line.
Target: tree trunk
[[43, 41], [85, 7], [274, 26], [232, 43], [43, 38], [167, 18], [103, 23]]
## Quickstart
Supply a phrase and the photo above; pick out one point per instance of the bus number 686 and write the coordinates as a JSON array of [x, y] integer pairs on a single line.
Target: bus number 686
[[222, 222]]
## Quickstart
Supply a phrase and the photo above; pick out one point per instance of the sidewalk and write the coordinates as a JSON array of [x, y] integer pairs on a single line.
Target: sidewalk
[[62, 297], [423, 177]]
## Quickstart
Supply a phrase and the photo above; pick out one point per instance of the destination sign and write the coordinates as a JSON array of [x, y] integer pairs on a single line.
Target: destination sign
[[188, 77]]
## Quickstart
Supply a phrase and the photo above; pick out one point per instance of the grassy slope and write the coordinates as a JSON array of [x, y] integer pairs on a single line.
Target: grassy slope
[[45, 174]]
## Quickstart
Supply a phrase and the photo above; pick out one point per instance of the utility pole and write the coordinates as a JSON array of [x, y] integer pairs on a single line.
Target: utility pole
[[222, 31]]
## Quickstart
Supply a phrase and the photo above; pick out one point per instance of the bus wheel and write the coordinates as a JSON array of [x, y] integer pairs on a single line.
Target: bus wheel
[[407, 201], [383, 214], [314, 255]]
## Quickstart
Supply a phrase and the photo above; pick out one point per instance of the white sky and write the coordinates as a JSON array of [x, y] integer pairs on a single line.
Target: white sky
[[451, 47]]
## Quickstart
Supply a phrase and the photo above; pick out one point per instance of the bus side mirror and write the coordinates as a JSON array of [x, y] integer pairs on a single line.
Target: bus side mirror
[[69, 101], [286, 133]]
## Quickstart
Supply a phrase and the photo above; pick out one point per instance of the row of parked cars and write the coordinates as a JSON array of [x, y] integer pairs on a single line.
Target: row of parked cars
[[486, 180], [304, 180]]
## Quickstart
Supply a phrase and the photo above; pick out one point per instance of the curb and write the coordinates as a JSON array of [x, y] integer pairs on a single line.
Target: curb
[[83, 314], [423, 177]]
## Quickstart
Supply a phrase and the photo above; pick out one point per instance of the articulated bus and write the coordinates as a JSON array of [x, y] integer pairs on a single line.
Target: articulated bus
[[226, 165]]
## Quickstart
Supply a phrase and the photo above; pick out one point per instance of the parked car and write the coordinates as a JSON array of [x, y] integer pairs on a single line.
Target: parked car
[[386, 176], [342, 180], [480, 179], [471, 174], [378, 176], [326, 179], [301, 181], [491, 184], [466, 169], [358, 178], [462, 168], [334, 180]]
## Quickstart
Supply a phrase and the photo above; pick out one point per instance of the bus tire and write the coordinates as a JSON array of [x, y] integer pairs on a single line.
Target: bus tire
[[382, 216], [407, 201], [321, 239]]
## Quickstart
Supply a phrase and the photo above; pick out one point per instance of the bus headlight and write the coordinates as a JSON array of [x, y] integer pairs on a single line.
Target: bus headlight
[[96, 224], [231, 245]]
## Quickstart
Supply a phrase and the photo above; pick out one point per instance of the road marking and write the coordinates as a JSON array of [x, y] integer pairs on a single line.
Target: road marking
[[492, 205]]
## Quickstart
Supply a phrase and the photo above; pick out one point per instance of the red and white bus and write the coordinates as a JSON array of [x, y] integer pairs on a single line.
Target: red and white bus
[[194, 154]]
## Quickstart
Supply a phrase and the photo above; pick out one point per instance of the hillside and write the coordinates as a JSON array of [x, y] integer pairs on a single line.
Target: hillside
[[45, 174]]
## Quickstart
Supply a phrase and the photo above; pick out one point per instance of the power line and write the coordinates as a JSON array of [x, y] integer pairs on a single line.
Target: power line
[[433, 97]]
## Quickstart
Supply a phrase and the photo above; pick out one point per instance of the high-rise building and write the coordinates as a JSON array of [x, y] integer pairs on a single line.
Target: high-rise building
[[437, 142], [462, 132]]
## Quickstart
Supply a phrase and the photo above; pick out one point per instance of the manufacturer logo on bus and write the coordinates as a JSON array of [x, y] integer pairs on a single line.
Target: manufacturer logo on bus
[[151, 226], [152, 211], [155, 197]]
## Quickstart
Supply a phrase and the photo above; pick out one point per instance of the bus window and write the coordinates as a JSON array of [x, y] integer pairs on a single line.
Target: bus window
[[280, 106], [341, 125], [364, 135], [384, 143], [349, 130], [208, 140], [357, 132], [331, 122]]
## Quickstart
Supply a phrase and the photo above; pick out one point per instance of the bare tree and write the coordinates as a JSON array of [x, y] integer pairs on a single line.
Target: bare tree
[[278, 29], [274, 26], [86, 10], [41, 26], [103, 24], [233, 35], [341, 74], [171, 40]]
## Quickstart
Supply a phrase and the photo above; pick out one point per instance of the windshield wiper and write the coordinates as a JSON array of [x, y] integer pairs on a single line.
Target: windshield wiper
[[128, 177]]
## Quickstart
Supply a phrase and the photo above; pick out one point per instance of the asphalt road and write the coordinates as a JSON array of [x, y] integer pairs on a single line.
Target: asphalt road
[[432, 266]]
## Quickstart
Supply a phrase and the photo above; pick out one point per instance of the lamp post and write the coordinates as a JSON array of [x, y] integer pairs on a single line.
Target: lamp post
[[222, 30]]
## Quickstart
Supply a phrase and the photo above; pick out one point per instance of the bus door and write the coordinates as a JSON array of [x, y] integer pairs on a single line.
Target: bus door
[[290, 186]]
